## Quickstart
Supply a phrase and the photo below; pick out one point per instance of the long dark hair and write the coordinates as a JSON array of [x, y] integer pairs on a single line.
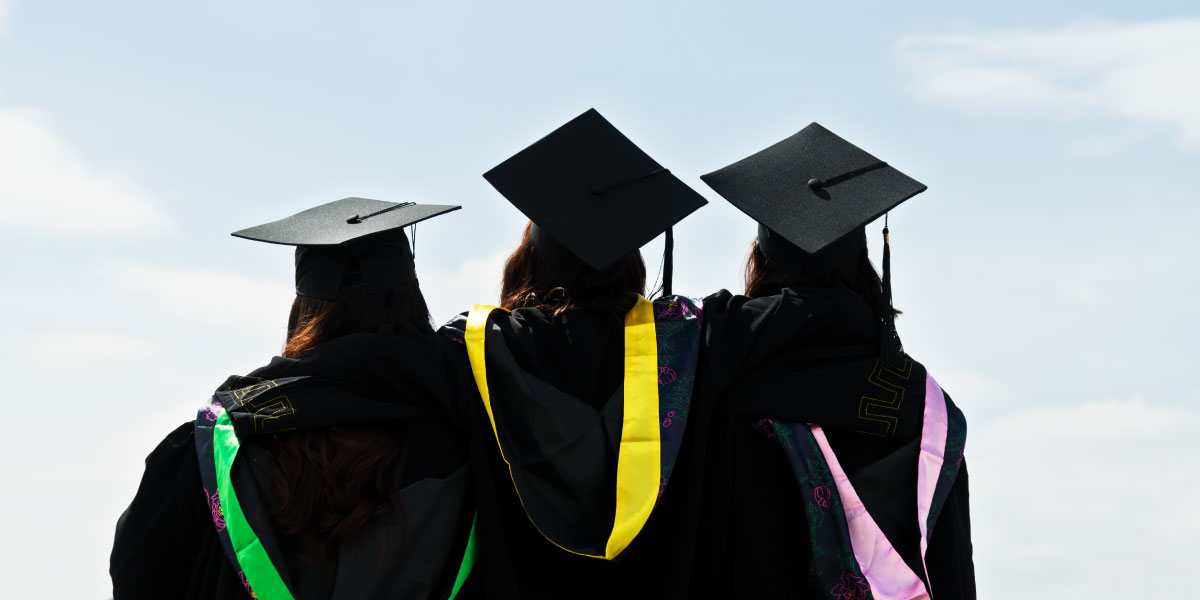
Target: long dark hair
[[332, 482], [530, 283], [857, 274]]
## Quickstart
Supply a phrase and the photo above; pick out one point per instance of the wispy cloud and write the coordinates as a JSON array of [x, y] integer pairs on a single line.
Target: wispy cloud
[[1058, 492], [1111, 420], [6, 7], [47, 187], [449, 291], [94, 349], [204, 297], [1145, 73]]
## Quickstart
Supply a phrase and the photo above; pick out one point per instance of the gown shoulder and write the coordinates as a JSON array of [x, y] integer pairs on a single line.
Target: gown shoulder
[[165, 544]]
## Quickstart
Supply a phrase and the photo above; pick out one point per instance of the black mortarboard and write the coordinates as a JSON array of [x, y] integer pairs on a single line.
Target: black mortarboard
[[595, 193], [347, 242], [812, 195], [812, 189]]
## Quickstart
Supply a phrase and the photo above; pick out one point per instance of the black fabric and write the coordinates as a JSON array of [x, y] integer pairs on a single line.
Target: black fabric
[[810, 355], [752, 543], [772, 187], [731, 523], [371, 376], [593, 190], [742, 334], [580, 354], [668, 268], [571, 270], [950, 549], [411, 551], [789, 258], [382, 262], [542, 429], [166, 545]]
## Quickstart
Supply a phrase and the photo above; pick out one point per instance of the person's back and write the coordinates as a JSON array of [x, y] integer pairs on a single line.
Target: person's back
[[582, 386], [835, 461], [335, 471], [552, 444], [764, 499]]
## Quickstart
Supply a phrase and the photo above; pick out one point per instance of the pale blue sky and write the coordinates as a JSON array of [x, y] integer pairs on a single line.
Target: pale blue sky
[[1047, 276]]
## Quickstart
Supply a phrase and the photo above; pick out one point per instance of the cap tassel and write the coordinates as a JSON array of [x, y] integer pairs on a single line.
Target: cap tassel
[[356, 219], [668, 261], [818, 183], [600, 190], [890, 347]]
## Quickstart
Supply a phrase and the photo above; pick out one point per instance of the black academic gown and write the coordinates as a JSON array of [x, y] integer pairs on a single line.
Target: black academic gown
[[579, 353], [800, 357], [166, 543]]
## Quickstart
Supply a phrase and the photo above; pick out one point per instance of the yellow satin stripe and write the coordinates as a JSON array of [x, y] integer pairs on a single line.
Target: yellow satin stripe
[[638, 460], [638, 470], [474, 335]]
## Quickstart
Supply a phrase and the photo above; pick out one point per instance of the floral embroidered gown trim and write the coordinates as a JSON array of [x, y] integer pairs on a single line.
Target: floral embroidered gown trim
[[843, 538]]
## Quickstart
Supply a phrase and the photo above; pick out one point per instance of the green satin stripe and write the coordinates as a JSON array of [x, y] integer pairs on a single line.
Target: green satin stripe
[[252, 558], [468, 561]]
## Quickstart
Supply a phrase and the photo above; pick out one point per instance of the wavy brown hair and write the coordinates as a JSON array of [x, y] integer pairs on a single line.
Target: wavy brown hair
[[857, 274], [331, 483], [530, 283]]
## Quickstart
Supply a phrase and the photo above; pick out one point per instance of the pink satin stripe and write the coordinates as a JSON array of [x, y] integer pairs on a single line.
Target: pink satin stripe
[[933, 454], [888, 575]]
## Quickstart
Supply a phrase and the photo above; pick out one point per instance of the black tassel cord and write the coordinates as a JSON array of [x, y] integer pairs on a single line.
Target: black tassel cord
[[890, 343], [668, 261]]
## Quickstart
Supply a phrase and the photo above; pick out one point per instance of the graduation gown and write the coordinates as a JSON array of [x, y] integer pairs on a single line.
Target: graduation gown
[[182, 538], [552, 450], [774, 524]]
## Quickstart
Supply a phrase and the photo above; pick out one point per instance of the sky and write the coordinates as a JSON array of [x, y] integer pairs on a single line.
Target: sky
[[1047, 278]]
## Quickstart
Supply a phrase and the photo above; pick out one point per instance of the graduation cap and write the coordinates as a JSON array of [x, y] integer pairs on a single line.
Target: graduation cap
[[812, 195], [352, 241], [593, 198]]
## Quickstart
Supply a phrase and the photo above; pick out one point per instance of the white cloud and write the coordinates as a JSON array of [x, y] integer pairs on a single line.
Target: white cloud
[[973, 389], [94, 349], [206, 297], [6, 7], [1110, 420], [1145, 73], [46, 187], [476, 280], [1084, 500]]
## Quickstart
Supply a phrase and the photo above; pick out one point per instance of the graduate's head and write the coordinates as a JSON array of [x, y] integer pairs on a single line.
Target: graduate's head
[[812, 195], [355, 271], [332, 482], [765, 277], [354, 267], [542, 274], [593, 198], [313, 321]]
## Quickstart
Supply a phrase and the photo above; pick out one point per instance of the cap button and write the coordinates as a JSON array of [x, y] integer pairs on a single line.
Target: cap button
[[814, 183]]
